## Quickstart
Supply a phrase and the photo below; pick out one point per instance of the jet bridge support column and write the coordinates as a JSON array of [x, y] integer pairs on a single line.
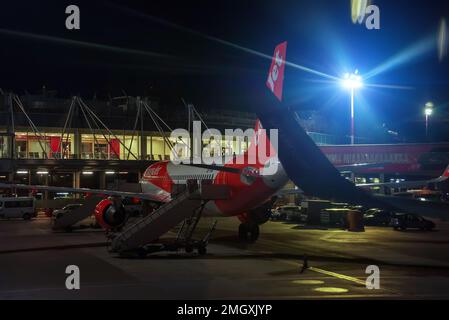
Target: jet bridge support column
[[382, 180], [102, 177], [77, 144], [76, 181], [143, 147]]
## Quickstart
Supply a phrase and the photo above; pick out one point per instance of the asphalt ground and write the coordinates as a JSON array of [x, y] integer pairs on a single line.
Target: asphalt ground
[[412, 264]]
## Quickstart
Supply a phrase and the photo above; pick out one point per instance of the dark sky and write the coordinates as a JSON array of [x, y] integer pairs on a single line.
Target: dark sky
[[181, 60]]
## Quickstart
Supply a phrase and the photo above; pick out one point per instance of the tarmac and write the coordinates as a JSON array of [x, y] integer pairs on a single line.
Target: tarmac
[[289, 261]]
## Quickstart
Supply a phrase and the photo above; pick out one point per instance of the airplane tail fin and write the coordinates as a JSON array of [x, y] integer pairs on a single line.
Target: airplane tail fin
[[275, 80], [445, 174]]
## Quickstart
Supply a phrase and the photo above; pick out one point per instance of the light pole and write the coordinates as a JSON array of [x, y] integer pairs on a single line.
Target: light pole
[[352, 82], [428, 111]]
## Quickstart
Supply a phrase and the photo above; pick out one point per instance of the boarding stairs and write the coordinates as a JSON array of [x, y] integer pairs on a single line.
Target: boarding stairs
[[186, 205]]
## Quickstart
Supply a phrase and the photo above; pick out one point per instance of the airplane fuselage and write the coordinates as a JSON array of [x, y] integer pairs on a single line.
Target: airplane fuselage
[[246, 191]]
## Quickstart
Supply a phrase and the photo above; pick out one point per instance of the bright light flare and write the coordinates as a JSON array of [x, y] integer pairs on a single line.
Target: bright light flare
[[352, 81], [442, 40], [428, 110]]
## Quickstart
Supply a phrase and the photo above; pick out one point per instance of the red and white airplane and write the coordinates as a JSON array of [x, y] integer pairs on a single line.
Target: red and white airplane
[[252, 186]]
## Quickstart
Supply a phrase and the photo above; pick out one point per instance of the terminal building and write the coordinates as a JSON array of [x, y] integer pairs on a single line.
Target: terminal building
[[92, 143]]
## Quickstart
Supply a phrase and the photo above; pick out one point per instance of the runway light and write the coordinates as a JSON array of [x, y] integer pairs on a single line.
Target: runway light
[[22, 172], [352, 81], [88, 173], [110, 172]]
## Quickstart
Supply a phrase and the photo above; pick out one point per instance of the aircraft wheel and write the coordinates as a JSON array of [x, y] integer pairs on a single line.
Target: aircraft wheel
[[189, 249], [248, 232], [243, 232], [254, 232]]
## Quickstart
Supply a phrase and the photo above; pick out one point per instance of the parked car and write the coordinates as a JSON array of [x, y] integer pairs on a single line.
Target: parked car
[[18, 207], [89, 221], [67, 209], [404, 221], [378, 217]]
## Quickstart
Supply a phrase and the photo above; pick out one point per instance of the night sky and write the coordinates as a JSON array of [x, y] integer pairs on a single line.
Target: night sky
[[179, 56]]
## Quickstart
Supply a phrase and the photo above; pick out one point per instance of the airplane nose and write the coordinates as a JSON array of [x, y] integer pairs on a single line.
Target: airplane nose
[[274, 175]]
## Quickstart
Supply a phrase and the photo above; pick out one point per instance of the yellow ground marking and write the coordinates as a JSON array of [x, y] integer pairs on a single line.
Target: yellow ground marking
[[331, 290]]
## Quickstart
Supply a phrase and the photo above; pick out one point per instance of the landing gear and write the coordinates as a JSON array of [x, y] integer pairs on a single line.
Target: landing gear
[[202, 250], [248, 232]]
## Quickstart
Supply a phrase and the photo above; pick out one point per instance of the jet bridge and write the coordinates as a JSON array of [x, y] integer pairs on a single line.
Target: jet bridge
[[186, 205]]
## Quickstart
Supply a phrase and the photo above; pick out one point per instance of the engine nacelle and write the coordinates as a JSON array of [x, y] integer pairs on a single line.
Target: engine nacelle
[[108, 215]]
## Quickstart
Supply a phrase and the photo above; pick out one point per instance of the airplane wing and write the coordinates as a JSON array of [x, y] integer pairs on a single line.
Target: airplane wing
[[408, 184], [124, 194]]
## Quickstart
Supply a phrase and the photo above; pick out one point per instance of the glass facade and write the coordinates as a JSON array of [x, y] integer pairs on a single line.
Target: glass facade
[[122, 146], [29, 145], [4, 146]]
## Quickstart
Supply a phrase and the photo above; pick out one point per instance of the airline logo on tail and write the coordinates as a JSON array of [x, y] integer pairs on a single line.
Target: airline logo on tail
[[446, 173], [276, 74]]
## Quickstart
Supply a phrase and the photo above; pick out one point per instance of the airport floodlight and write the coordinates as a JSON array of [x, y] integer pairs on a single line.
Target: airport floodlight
[[428, 110], [352, 81]]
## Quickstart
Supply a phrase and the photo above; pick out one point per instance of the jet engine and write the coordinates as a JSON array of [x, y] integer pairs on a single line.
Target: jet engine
[[110, 214]]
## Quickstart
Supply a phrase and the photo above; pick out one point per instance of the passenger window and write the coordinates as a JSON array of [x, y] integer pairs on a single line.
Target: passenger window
[[10, 204], [26, 204]]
